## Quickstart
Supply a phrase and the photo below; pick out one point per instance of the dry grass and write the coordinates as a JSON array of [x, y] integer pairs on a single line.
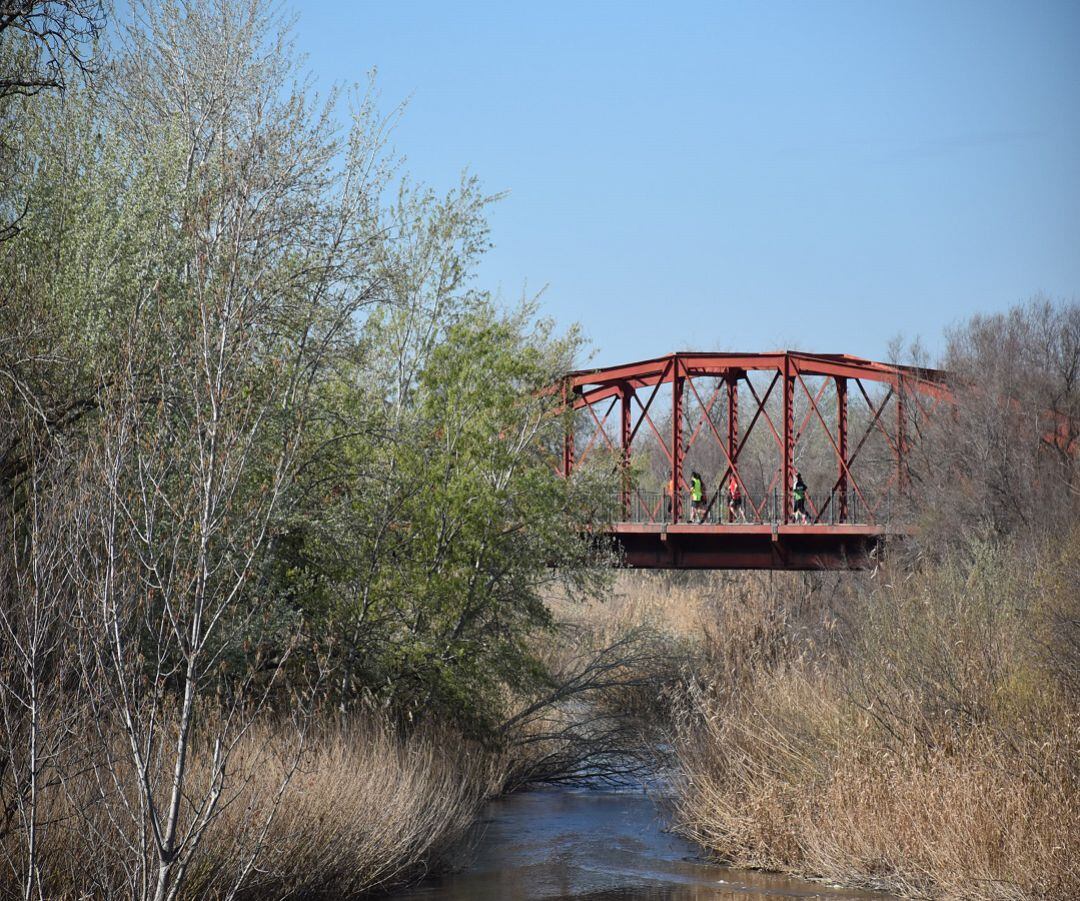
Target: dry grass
[[692, 607], [931, 746], [674, 607], [368, 809], [794, 782], [364, 808]]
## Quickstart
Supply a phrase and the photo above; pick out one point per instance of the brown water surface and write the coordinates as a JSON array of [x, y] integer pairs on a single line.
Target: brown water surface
[[591, 844]]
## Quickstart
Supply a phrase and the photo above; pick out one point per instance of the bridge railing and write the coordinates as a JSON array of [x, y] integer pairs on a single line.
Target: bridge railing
[[853, 416], [655, 507]]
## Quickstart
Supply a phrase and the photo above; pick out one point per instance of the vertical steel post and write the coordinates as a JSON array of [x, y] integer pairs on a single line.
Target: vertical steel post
[[788, 465], [842, 444], [732, 430], [625, 394], [568, 435], [676, 440], [901, 437]]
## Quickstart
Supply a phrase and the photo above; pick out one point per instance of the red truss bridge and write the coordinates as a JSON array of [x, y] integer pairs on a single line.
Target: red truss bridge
[[749, 424]]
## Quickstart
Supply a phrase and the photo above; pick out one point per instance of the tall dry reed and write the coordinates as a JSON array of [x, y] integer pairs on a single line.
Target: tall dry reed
[[921, 736], [337, 813]]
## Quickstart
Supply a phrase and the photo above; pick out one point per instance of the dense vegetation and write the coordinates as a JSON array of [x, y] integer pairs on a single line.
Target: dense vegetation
[[918, 730], [289, 584], [268, 460]]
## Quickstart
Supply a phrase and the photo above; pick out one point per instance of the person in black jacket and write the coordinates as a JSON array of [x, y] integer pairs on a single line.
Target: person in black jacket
[[799, 497]]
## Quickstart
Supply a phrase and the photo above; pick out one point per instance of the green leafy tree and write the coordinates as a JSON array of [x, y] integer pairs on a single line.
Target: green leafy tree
[[433, 516]]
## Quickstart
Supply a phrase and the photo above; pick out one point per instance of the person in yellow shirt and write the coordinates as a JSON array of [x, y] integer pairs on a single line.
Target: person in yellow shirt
[[697, 497]]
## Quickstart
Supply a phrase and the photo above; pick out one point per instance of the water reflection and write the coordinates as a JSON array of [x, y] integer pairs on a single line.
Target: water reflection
[[590, 845]]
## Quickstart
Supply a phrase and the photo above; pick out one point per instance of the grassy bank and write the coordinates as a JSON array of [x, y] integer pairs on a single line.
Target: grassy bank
[[343, 811], [917, 732]]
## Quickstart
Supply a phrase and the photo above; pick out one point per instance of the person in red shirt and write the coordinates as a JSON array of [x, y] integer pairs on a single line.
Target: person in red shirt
[[735, 501]]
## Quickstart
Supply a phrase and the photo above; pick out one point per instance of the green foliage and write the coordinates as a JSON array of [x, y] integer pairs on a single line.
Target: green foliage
[[401, 412], [291, 456], [425, 560]]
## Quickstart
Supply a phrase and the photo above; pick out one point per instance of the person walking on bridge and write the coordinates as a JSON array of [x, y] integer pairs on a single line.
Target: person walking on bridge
[[798, 493], [735, 501], [697, 497]]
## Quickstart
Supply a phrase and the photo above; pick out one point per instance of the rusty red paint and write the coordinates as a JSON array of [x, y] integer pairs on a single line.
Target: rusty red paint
[[623, 385]]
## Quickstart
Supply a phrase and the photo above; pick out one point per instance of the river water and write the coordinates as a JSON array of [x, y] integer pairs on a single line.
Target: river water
[[596, 845]]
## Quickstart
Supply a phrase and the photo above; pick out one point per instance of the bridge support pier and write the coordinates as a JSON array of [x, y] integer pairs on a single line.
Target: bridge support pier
[[901, 438], [626, 393], [568, 436]]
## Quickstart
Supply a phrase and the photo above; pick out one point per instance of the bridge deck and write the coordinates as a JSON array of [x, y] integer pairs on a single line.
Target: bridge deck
[[747, 546]]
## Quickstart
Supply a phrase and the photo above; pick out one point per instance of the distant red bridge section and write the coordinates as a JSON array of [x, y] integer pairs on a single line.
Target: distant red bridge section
[[749, 423]]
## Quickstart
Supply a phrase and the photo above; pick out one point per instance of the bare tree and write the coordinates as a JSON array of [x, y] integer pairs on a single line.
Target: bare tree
[[581, 725], [1003, 458], [38, 679], [265, 226], [57, 36]]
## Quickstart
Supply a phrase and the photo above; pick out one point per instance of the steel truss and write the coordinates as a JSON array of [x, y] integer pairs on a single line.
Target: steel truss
[[599, 392]]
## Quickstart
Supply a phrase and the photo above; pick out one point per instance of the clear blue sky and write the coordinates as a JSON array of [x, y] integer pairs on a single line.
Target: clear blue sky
[[743, 175]]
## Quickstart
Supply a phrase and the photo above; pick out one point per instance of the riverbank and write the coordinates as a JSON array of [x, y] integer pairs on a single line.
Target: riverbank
[[340, 810], [905, 734], [915, 730]]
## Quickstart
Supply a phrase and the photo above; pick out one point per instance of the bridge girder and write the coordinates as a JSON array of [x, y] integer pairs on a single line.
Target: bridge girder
[[827, 544]]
